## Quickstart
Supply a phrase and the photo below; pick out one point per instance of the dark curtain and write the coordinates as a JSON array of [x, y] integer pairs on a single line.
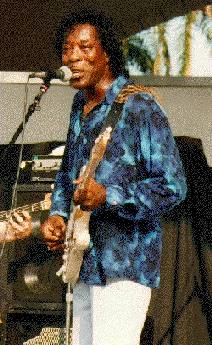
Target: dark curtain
[[181, 309]]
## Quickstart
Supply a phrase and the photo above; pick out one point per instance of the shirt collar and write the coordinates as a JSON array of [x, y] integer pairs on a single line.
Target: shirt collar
[[111, 93], [115, 88]]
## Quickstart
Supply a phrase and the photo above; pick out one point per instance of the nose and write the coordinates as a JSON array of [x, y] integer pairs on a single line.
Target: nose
[[71, 55]]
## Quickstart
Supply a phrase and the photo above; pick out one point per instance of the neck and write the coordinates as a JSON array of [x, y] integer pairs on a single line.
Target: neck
[[96, 93]]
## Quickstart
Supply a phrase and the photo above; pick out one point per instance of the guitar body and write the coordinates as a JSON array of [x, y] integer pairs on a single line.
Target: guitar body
[[78, 228], [81, 237]]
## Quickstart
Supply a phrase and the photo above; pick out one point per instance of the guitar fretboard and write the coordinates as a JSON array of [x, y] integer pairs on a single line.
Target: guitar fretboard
[[36, 207]]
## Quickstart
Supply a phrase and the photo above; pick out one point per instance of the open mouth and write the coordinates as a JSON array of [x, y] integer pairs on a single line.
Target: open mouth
[[76, 73]]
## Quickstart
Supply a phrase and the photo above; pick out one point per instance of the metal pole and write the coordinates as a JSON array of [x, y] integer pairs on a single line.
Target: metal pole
[[68, 313]]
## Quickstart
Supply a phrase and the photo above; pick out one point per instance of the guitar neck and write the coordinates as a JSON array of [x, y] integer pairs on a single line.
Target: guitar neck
[[90, 170], [96, 156], [36, 207]]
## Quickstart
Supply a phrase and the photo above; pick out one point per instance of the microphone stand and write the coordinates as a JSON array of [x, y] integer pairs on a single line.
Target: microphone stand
[[68, 315]]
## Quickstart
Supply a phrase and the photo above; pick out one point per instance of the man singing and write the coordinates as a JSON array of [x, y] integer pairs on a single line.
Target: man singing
[[139, 178]]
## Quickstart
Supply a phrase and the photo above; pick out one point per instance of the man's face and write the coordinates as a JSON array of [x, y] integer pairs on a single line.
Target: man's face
[[83, 54]]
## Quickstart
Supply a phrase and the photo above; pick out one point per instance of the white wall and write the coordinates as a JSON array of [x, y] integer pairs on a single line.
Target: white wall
[[188, 103], [190, 113]]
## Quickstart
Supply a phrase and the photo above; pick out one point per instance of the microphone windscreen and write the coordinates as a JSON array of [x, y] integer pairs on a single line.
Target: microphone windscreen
[[66, 73]]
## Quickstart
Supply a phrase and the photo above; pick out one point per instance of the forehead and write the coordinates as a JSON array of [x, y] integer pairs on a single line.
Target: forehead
[[82, 32]]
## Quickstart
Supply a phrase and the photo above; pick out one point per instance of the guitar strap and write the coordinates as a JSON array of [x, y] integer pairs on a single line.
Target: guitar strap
[[117, 106], [113, 116], [116, 109]]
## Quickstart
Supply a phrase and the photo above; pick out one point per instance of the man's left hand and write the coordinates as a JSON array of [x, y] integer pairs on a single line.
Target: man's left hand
[[91, 196]]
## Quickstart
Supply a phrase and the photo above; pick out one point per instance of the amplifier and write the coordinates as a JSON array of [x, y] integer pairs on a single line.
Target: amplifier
[[42, 168]]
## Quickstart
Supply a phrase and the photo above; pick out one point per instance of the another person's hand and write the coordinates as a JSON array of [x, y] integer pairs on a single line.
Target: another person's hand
[[90, 197], [18, 227], [53, 231]]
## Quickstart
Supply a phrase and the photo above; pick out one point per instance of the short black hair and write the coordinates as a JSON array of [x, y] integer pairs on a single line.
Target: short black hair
[[109, 38]]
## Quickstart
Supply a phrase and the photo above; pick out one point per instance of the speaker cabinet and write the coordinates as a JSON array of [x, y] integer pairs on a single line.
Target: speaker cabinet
[[37, 294], [32, 267]]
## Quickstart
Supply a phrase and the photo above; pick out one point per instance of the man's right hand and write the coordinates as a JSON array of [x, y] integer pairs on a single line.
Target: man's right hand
[[53, 231]]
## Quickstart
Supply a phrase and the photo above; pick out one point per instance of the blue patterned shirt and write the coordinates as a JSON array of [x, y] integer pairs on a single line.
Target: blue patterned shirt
[[143, 176]]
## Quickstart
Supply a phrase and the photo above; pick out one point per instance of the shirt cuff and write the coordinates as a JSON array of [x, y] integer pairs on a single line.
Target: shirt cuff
[[64, 215]]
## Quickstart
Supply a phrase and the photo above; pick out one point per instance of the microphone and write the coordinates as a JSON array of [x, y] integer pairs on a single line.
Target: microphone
[[63, 73]]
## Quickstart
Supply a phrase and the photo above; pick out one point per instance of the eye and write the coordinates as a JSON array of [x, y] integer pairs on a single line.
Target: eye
[[67, 48]]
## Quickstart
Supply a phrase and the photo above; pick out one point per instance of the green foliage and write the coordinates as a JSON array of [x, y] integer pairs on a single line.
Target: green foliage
[[137, 54], [156, 49]]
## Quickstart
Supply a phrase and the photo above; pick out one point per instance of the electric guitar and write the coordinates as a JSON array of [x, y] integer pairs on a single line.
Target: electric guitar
[[77, 235]]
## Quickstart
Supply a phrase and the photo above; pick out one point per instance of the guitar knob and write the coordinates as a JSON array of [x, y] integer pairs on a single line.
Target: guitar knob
[[60, 271]]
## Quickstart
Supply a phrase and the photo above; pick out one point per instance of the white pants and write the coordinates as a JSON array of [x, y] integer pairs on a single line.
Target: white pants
[[109, 315]]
